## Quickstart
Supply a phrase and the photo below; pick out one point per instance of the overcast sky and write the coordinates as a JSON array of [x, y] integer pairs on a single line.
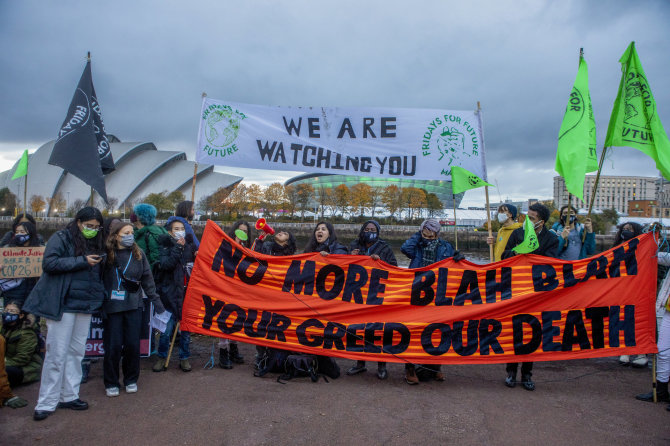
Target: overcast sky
[[152, 60]]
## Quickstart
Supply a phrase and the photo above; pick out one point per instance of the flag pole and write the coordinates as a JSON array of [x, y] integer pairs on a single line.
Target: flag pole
[[25, 194], [195, 167], [453, 196], [486, 191], [595, 186]]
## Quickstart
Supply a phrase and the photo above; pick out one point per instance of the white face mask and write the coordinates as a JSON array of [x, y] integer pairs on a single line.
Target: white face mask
[[179, 234], [502, 217]]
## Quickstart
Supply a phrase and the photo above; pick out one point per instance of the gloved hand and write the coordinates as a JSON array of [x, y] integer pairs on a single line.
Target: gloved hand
[[15, 402], [458, 256]]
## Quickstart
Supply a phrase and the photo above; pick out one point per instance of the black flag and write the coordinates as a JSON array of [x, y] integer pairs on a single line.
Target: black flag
[[82, 148]]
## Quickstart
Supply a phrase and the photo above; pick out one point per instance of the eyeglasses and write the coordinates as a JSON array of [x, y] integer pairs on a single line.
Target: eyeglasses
[[92, 227]]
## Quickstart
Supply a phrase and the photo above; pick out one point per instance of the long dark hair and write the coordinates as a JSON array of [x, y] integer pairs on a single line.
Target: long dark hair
[[82, 245], [23, 217], [184, 209], [312, 244], [32, 232], [637, 230], [236, 225]]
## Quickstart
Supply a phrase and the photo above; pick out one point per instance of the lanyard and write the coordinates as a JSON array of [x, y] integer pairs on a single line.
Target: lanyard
[[118, 286]]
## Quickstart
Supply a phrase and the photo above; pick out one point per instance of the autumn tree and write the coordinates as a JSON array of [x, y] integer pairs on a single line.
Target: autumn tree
[[341, 198], [158, 200], [433, 204], [75, 207], [174, 198], [37, 204], [323, 198], [305, 194], [392, 199], [274, 198], [238, 199], [375, 198], [291, 193], [413, 199], [254, 197], [360, 197]]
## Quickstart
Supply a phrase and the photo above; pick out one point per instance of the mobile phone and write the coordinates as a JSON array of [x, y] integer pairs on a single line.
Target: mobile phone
[[102, 256]]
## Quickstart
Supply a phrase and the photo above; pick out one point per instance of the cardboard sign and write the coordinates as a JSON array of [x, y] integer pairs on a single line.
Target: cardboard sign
[[21, 262]]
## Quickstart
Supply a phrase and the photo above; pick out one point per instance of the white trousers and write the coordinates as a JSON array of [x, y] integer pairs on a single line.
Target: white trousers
[[663, 360], [61, 372]]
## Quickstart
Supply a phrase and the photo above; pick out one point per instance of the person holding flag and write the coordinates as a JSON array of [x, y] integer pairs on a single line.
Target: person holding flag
[[533, 238], [507, 217]]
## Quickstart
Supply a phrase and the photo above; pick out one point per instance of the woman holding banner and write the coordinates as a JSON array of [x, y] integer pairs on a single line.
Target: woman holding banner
[[127, 274], [69, 290], [17, 290]]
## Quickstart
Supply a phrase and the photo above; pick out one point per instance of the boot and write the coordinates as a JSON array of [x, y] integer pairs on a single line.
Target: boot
[[527, 383], [410, 377], [85, 370], [356, 369], [159, 365], [662, 394], [510, 381], [382, 373], [235, 354], [224, 359]]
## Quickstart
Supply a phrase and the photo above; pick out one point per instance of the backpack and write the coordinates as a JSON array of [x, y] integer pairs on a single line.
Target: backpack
[[272, 361], [314, 366]]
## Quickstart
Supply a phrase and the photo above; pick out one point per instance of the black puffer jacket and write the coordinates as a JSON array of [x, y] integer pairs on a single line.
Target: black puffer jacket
[[380, 247], [170, 270], [68, 283]]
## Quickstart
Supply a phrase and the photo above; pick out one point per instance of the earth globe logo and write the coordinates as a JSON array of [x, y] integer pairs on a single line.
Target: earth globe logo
[[223, 126]]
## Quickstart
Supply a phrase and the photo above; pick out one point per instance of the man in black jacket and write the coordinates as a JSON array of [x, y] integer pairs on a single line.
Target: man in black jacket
[[538, 215]]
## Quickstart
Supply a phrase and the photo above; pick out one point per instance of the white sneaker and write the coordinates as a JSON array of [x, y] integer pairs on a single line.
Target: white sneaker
[[131, 388], [639, 361], [624, 359], [112, 391]]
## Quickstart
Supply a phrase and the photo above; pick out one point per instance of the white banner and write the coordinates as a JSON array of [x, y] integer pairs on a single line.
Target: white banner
[[373, 142]]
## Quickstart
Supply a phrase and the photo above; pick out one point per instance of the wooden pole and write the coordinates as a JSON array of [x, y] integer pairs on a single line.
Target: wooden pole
[[25, 194], [488, 220], [195, 167], [92, 197], [453, 196], [174, 336], [595, 187]]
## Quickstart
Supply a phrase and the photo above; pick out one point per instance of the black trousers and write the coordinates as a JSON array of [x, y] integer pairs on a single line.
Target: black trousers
[[14, 375], [526, 368], [121, 339]]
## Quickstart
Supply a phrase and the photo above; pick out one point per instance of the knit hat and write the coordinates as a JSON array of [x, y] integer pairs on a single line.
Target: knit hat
[[512, 210], [432, 224]]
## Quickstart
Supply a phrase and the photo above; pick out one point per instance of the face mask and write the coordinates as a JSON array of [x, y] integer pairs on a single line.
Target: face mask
[[179, 234], [370, 236], [502, 218], [20, 239], [89, 233], [627, 235], [538, 225], [572, 219], [127, 240], [9, 318]]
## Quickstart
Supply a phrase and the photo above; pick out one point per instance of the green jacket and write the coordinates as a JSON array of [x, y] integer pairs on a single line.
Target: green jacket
[[147, 239], [22, 350]]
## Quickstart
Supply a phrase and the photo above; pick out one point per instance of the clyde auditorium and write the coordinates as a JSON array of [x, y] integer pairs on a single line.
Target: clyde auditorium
[[141, 169]]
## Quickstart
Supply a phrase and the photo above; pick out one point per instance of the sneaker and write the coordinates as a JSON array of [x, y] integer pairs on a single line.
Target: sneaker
[[624, 360], [411, 378], [159, 365], [131, 388], [510, 381], [355, 370], [184, 365], [527, 383], [112, 391], [382, 373], [639, 361]]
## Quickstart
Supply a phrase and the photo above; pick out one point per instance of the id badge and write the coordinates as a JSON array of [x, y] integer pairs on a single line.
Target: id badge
[[118, 295]]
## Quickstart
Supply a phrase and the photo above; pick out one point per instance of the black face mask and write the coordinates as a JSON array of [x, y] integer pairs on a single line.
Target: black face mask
[[627, 235], [9, 318], [369, 237], [572, 219]]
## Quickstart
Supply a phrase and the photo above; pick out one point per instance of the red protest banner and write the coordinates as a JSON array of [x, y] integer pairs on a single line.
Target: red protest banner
[[527, 308]]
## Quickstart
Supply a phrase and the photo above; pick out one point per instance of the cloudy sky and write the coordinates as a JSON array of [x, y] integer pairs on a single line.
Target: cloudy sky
[[152, 60]]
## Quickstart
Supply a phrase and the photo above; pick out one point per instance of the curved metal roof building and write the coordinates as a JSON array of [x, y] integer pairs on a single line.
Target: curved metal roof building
[[141, 169], [440, 188]]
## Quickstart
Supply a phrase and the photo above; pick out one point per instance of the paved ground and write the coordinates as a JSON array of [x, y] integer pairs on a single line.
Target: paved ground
[[586, 402]]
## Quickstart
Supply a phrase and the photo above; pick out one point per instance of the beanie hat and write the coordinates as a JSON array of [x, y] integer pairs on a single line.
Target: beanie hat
[[432, 224], [145, 213], [512, 210]]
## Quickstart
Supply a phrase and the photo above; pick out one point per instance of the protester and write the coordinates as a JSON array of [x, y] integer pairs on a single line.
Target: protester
[[147, 231], [229, 352], [369, 244], [625, 232], [548, 247], [281, 244], [185, 212], [17, 290], [662, 311], [127, 275], [69, 290], [7, 398], [425, 248], [170, 276], [324, 240], [570, 235], [23, 361], [507, 214], [21, 218]]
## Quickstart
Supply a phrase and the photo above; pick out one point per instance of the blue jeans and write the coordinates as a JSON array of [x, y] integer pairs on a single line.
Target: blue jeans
[[184, 341]]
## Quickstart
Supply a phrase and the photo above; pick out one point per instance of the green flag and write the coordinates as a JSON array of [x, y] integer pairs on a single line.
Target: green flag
[[634, 121], [22, 168], [462, 180], [576, 154], [529, 243]]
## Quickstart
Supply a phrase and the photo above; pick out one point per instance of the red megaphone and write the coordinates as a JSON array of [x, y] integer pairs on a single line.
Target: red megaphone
[[263, 225]]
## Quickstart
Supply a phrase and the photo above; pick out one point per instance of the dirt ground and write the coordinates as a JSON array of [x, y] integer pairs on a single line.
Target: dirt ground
[[586, 402]]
